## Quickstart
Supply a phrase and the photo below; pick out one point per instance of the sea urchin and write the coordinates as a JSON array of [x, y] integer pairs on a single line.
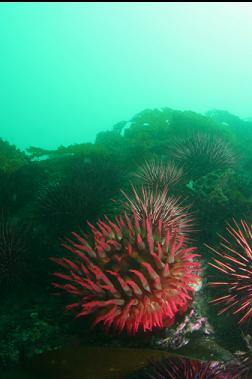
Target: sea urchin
[[234, 261], [183, 368]]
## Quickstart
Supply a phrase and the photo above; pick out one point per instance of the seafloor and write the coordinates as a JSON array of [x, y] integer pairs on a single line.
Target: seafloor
[[203, 162]]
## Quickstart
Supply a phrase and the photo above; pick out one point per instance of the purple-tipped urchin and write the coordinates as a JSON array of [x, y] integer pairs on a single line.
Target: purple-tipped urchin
[[183, 368], [201, 153], [157, 174], [234, 262], [158, 205]]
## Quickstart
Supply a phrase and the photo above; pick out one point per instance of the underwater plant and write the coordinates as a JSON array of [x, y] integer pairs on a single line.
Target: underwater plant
[[234, 262], [130, 274], [184, 368], [200, 153], [158, 205], [157, 174]]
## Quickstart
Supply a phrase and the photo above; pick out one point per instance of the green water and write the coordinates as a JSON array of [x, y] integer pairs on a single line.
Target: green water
[[70, 70]]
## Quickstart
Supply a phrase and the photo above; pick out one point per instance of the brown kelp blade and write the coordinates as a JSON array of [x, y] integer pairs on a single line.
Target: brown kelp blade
[[91, 362]]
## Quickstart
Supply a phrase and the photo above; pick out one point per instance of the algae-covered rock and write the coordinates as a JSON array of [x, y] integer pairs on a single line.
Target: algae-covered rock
[[11, 158]]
